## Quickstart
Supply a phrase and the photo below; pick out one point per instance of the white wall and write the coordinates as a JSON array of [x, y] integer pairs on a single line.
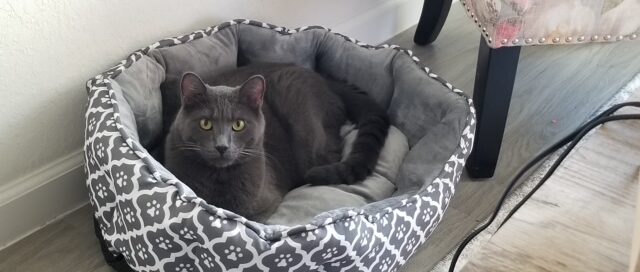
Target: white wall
[[49, 48]]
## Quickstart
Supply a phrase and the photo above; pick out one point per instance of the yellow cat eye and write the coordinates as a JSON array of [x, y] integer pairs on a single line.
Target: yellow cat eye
[[238, 125], [206, 124]]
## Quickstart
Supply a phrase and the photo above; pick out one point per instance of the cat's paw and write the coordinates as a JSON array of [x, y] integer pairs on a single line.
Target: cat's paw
[[361, 172], [336, 173], [320, 176]]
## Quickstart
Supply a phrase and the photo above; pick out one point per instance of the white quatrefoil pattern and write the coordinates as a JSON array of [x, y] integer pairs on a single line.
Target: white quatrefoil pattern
[[149, 219]]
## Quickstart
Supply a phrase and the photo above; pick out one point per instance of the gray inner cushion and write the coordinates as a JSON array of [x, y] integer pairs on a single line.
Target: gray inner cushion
[[430, 115]]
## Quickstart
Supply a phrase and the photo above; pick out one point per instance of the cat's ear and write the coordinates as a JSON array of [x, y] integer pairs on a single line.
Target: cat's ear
[[252, 91], [192, 88]]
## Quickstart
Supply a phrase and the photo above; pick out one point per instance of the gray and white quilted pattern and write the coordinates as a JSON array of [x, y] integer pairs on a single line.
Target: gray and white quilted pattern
[[158, 224]]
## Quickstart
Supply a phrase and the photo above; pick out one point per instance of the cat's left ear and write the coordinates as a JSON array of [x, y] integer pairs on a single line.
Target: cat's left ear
[[252, 91]]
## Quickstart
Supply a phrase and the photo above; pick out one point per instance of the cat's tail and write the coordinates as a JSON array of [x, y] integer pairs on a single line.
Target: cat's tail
[[373, 125]]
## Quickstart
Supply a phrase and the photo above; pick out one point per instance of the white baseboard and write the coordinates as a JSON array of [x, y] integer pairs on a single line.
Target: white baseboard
[[33, 201], [383, 22]]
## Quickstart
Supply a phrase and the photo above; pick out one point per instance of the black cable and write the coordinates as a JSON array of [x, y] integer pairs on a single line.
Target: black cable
[[572, 138], [567, 139], [564, 154]]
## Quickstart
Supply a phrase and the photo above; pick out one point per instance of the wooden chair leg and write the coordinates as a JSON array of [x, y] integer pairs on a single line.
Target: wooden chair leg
[[434, 13], [495, 76]]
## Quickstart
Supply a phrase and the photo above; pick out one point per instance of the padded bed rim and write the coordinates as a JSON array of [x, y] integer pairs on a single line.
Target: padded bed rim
[[463, 148]]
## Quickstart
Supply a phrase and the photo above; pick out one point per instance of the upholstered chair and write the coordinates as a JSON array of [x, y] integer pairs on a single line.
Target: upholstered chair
[[507, 25]]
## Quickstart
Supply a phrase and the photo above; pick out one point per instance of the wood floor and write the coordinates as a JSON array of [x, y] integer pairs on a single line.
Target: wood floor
[[66, 245], [582, 218], [557, 87]]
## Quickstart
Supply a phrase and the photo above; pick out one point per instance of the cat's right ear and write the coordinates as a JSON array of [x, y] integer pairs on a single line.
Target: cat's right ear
[[192, 88]]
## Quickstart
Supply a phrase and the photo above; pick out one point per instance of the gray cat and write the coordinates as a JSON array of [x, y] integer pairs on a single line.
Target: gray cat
[[249, 136]]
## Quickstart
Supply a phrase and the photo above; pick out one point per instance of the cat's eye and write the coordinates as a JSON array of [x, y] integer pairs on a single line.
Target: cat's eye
[[206, 124], [238, 125]]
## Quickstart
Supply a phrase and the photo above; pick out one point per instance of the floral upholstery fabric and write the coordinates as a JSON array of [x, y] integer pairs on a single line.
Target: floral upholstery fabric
[[531, 22]]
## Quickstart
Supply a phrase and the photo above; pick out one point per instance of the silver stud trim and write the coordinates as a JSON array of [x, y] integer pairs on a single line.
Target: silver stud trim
[[543, 40], [475, 19]]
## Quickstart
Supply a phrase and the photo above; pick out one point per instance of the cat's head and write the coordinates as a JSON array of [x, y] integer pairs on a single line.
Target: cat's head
[[222, 125]]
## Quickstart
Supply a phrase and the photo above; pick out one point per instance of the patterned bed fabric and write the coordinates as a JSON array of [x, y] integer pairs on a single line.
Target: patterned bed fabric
[[537, 22], [157, 224]]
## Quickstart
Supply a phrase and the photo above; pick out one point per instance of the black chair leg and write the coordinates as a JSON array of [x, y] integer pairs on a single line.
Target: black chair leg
[[495, 76], [434, 13]]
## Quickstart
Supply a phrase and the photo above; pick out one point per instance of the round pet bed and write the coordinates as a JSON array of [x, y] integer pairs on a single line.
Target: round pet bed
[[147, 220]]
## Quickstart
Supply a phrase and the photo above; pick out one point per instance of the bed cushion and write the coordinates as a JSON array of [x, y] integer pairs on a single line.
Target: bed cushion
[[140, 208]]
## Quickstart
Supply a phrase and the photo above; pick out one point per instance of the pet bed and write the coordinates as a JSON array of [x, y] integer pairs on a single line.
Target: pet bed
[[147, 220]]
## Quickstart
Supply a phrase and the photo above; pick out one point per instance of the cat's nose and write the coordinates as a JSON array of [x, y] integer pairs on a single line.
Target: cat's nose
[[222, 149]]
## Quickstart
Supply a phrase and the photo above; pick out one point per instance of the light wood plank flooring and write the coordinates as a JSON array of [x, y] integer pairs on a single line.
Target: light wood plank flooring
[[66, 245], [582, 218], [556, 88]]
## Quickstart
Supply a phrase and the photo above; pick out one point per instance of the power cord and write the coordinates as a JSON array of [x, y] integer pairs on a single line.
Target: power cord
[[572, 139]]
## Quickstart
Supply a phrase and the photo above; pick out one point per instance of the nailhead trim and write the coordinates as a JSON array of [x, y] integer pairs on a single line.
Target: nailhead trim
[[543, 40]]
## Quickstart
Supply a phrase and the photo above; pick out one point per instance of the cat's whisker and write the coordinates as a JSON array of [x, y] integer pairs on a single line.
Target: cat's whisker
[[271, 160], [249, 154], [191, 146], [257, 153], [188, 149]]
